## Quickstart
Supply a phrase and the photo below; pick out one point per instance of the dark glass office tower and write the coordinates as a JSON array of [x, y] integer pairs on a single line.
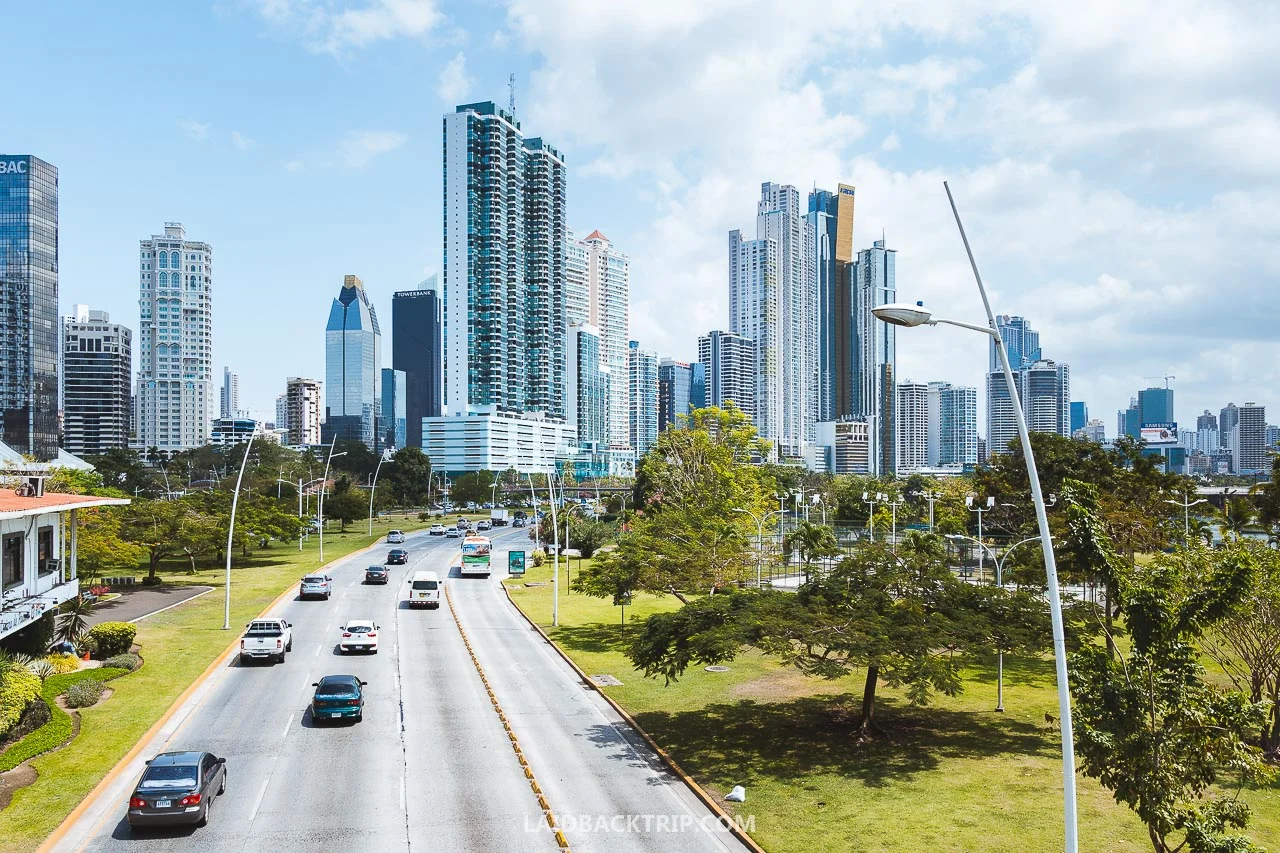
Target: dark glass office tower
[[30, 329], [417, 348]]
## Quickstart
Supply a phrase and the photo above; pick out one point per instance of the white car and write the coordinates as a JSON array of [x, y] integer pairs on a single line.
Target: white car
[[359, 635], [484, 525], [395, 537], [453, 532], [437, 530]]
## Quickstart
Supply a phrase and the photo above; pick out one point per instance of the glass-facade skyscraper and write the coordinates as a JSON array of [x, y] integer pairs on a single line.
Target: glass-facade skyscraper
[[681, 389], [29, 325], [417, 348], [353, 365], [393, 422], [875, 351], [1155, 406], [97, 363], [831, 219], [1020, 341], [642, 378]]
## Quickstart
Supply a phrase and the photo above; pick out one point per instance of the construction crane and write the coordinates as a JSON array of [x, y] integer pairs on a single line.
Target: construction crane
[[1165, 378]]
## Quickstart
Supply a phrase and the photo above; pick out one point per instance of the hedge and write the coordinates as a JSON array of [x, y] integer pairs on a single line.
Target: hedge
[[126, 661], [19, 687], [59, 728], [112, 638], [85, 692]]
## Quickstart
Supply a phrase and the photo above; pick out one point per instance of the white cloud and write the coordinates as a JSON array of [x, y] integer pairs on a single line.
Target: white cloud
[[454, 84], [193, 128], [335, 26], [240, 141], [891, 143], [360, 147]]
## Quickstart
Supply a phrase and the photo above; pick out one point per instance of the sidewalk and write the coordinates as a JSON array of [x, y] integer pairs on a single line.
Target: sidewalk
[[136, 603]]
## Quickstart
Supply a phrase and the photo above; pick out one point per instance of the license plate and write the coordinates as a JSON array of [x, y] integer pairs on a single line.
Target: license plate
[[163, 804], [335, 714]]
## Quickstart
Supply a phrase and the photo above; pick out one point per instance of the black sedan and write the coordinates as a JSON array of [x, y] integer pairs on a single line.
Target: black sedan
[[397, 557], [377, 574], [338, 697], [177, 788]]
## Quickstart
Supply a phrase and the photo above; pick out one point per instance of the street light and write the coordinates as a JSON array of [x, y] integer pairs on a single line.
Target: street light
[[999, 583], [324, 483], [872, 501], [760, 538], [386, 457], [931, 497], [894, 504], [907, 315], [991, 502], [1186, 515], [231, 530]]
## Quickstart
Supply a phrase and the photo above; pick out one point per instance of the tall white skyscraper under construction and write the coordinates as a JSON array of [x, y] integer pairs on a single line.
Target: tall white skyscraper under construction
[[175, 341]]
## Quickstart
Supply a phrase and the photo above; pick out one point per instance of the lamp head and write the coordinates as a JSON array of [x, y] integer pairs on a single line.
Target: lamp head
[[991, 501], [903, 314], [968, 500]]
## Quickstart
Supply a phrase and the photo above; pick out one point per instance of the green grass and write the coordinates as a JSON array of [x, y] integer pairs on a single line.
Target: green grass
[[954, 776], [177, 646]]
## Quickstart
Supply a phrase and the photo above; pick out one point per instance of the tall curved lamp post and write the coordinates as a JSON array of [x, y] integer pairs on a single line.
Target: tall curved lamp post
[[760, 522], [231, 532], [905, 314], [386, 457]]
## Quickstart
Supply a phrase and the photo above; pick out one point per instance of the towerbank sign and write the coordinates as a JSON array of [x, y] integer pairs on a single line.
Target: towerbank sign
[[13, 167]]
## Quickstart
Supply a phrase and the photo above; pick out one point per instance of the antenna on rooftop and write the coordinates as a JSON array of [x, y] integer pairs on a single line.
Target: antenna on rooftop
[[511, 94]]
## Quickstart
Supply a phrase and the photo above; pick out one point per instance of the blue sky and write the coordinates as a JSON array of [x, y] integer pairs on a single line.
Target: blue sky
[[1115, 163]]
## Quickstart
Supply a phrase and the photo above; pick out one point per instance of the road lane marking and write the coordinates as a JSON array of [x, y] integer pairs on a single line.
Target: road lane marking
[[257, 803], [288, 725]]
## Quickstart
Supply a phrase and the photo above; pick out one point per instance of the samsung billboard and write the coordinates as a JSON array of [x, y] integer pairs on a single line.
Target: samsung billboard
[[1156, 435]]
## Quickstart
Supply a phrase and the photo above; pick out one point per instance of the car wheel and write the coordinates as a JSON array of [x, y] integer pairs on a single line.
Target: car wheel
[[280, 658], [359, 716], [289, 647]]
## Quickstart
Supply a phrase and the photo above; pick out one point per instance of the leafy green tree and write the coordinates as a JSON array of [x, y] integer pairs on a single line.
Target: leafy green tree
[[409, 476], [587, 535], [346, 504], [607, 577], [100, 548], [813, 542], [124, 470], [475, 486], [1238, 516], [1267, 496], [165, 529]]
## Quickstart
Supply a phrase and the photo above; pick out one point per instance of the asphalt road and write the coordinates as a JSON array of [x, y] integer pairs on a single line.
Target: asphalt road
[[430, 766]]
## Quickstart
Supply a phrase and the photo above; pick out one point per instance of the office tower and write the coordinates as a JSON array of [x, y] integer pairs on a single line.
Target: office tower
[[1249, 440], [831, 220], [875, 349], [598, 278], [304, 410], [1155, 406], [681, 389], [957, 424], [1207, 420], [1021, 342], [982, 450], [1079, 416], [1044, 387], [642, 379], [175, 341], [29, 335], [393, 417], [773, 300], [1228, 417], [587, 386], [417, 348], [97, 368], [1095, 431], [912, 427], [729, 364], [353, 367], [282, 411], [505, 267], [848, 446]]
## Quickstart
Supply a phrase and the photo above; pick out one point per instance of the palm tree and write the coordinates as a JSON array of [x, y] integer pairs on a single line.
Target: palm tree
[[1238, 516], [813, 542], [74, 619], [924, 544], [1199, 528]]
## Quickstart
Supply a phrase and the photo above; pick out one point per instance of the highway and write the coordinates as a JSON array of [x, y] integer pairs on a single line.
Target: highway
[[430, 767]]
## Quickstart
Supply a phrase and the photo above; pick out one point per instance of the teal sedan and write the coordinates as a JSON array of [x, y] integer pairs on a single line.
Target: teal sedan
[[338, 697]]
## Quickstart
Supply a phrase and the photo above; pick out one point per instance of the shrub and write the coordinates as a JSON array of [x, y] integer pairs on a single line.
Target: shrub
[[113, 638], [84, 693], [538, 557], [42, 668], [63, 663], [423, 516], [55, 732], [127, 661], [18, 686], [35, 716]]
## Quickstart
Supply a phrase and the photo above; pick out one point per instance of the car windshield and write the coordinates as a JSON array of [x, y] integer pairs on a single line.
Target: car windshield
[[424, 584], [359, 629], [313, 579], [335, 688], [170, 776]]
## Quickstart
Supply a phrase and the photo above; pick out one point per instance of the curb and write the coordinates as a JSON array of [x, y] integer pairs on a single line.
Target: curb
[[547, 813], [710, 802], [50, 844]]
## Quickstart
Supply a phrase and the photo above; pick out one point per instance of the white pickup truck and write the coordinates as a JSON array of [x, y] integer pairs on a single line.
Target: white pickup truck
[[266, 639]]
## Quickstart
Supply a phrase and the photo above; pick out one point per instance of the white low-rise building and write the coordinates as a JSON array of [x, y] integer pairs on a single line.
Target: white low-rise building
[[487, 440]]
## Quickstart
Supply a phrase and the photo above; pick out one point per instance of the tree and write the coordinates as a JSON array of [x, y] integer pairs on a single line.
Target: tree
[[813, 542], [346, 504], [100, 548], [1246, 643], [607, 577], [474, 487], [409, 476], [168, 529], [1150, 727], [73, 618], [904, 618], [1238, 515], [588, 534]]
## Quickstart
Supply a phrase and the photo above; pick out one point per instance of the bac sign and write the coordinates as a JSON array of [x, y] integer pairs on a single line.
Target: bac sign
[[13, 167], [515, 562]]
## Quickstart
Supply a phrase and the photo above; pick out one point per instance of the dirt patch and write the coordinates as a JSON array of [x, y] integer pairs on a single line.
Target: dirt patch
[[19, 777], [780, 684]]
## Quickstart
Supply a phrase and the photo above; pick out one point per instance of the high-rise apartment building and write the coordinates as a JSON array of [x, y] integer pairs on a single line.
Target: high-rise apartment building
[[1095, 431], [1021, 342], [1249, 440], [282, 411], [848, 446], [29, 334], [1207, 420], [588, 387], [773, 299], [353, 367], [681, 389], [393, 420], [875, 350], [729, 363], [229, 398], [597, 291], [175, 340], [831, 220], [97, 364], [1045, 390], [912, 422], [417, 348], [305, 408], [642, 380], [953, 425], [577, 287], [1228, 418]]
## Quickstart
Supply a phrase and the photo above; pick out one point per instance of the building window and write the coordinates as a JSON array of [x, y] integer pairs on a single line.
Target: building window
[[175, 263], [44, 546], [11, 559]]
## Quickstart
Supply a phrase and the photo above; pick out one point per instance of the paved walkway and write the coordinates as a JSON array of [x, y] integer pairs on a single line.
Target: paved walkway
[[142, 601]]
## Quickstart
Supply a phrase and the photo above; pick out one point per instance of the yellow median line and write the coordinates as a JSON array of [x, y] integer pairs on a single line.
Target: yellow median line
[[709, 801], [547, 813], [50, 844]]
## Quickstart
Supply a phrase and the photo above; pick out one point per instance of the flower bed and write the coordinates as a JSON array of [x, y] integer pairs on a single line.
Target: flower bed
[[60, 726]]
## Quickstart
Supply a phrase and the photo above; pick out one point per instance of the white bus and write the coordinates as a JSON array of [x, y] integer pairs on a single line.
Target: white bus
[[475, 556]]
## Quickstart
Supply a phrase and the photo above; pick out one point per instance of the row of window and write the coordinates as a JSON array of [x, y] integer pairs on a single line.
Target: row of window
[[13, 557]]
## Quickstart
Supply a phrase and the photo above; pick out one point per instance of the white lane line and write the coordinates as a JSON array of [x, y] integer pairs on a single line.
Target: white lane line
[[317, 651], [257, 803], [288, 725]]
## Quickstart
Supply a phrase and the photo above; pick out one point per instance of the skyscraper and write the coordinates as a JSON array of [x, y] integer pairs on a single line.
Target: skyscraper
[[1021, 342], [773, 299], [1207, 420], [875, 350], [393, 421], [642, 378], [681, 389], [353, 367], [955, 425], [305, 407], [577, 266], [1044, 387], [545, 236], [282, 411], [97, 359], [912, 421], [230, 394], [729, 363], [1079, 416], [29, 334], [608, 285], [175, 340], [1228, 417], [1249, 440], [588, 387], [831, 220], [417, 348], [1155, 406]]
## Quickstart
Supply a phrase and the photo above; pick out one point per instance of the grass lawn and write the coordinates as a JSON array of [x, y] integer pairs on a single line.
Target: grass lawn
[[177, 646], [954, 776]]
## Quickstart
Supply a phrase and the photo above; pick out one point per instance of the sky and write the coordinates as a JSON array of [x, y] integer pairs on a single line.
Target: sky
[[1117, 164]]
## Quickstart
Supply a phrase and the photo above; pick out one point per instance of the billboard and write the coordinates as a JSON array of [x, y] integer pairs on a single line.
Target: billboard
[[1159, 434], [515, 563]]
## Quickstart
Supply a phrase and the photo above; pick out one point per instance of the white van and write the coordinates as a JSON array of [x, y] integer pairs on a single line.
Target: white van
[[424, 590]]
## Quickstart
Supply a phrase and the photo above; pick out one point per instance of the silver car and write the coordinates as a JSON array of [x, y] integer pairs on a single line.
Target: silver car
[[177, 788], [316, 586]]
